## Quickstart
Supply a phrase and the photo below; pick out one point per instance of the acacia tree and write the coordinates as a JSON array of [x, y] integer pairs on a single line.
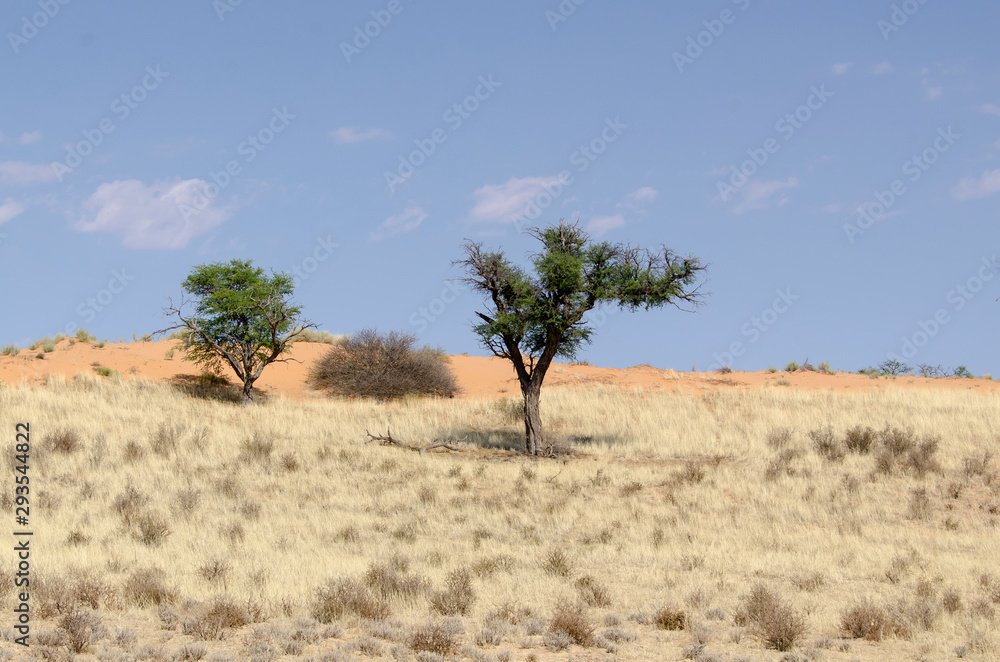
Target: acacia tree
[[241, 317], [536, 317]]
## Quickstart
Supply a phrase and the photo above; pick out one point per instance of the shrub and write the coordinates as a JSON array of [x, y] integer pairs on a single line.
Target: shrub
[[48, 346], [571, 620], [458, 596], [792, 366], [865, 621], [824, 367], [341, 597], [383, 367], [439, 637], [557, 563], [827, 444], [859, 439], [963, 372], [64, 441], [391, 581], [894, 368], [146, 587], [592, 592], [777, 624], [670, 618], [221, 614], [10, 350], [82, 628]]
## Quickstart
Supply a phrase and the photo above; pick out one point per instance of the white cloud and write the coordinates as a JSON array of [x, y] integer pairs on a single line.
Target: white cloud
[[9, 209], [152, 216], [645, 194], [600, 225], [349, 135], [931, 91], [19, 172], [410, 219], [502, 203], [28, 138], [757, 194], [841, 68], [971, 188], [882, 68], [989, 109]]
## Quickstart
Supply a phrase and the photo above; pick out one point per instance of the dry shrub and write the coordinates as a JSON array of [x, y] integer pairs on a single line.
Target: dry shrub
[[340, 597], [52, 594], [63, 441], [220, 614], [82, 628], [458, 596], [164, 440], [592, 592], [216, 569], [777, 624], [440, 637], [951, 600], [129, 503], [188, 499], [865, 620], [257, 448], [510, 613], [382, 366], [779, 438], [572, 621], [827, 444], [557, 563], [902, 449], [860, 439], [151, 529], [391, 581], [147, 587], [670, 618], [781, 465], [489, 565]]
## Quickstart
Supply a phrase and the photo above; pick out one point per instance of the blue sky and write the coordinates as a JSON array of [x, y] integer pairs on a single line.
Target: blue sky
[[837, 164]]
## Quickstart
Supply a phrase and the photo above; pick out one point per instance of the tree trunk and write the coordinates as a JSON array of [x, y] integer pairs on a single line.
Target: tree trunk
[[532, 419], [247, 392]]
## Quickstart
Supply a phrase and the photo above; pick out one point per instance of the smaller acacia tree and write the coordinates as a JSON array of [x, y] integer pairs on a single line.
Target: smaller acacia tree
[[535, 318], [241, 316]]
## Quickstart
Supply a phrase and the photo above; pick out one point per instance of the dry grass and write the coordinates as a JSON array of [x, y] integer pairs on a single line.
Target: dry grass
[[166, 500]]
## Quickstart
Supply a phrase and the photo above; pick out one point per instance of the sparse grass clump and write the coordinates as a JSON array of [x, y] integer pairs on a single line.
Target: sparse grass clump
[[592, 592], [221, 614], [147, 587], [391, 581], [9, 350], [440, 637], [65, 442], [383, 367], [670, 618]]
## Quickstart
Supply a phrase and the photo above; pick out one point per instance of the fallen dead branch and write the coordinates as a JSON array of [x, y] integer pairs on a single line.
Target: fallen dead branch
[[388, 440]]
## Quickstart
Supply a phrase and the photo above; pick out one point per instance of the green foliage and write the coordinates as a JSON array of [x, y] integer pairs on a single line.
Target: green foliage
[[10, 350], [792, 366], [83, 336], [544, 311], [894, 368], [963, 372], [824, 367], [242, 317], [870, 372]]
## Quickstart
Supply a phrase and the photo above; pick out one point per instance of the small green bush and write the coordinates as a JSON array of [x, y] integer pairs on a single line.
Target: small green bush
[[10, 350], [792, 366]]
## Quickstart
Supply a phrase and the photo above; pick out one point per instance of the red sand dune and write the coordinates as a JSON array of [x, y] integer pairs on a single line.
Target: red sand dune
[[478, 377]]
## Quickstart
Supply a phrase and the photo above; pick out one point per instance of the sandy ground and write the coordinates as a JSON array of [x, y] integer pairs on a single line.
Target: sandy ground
[[478, 377]]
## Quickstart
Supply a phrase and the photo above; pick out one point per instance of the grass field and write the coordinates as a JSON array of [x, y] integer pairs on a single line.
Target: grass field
[[170, 526]]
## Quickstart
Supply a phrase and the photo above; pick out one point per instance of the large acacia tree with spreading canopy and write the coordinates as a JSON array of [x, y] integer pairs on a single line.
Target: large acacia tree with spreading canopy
[[241, 316], [536, 317]]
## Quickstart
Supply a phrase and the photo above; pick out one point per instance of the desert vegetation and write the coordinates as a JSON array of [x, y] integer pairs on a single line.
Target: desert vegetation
[[738, 524]]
